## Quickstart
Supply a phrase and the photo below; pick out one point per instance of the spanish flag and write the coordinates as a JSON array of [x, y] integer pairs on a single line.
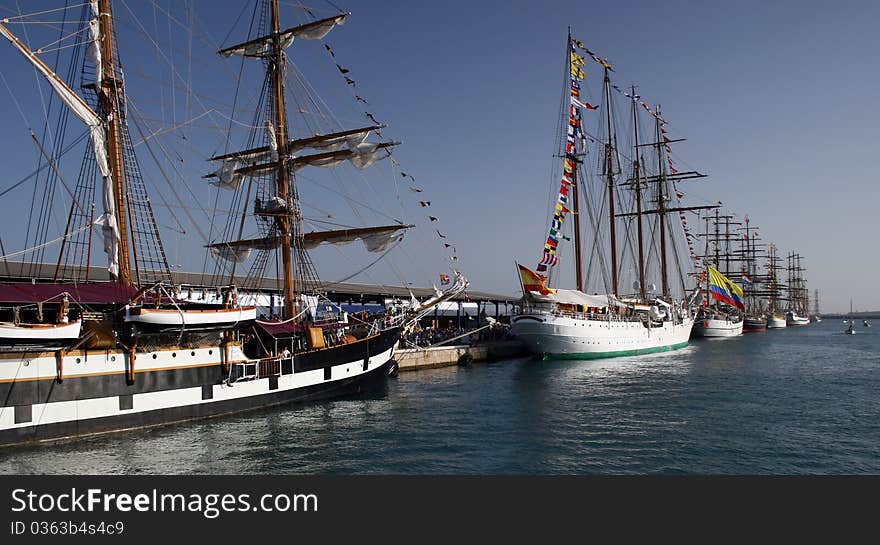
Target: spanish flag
[[532, 281]]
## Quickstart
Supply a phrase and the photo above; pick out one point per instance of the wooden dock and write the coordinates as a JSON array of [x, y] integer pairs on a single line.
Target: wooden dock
[[413, 359]]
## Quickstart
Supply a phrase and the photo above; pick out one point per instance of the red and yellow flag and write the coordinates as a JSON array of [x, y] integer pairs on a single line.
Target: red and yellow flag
[[533, 281]]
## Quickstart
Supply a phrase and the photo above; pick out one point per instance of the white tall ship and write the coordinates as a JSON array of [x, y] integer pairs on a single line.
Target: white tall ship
[[570, 323], [775, 315], [798, 310]]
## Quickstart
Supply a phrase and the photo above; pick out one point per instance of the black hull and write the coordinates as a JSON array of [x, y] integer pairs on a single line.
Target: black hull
[[370, 381], [21, 395]]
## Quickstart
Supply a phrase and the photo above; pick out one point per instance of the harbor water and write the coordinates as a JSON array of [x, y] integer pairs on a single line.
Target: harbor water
[[801, 400]]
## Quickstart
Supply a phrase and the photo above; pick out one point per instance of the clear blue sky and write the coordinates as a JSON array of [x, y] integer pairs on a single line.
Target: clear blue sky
[[776, 100]]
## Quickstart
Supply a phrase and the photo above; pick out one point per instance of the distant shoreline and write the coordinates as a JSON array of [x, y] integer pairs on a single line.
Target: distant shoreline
[[874, 315]]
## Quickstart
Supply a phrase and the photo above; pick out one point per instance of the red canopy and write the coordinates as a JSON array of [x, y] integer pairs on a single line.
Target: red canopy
[[94, 293]]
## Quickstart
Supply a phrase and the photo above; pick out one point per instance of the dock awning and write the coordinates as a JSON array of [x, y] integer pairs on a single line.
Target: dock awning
[[98, 293]]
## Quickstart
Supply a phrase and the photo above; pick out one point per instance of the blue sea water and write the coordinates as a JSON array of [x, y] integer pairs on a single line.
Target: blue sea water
[[799, 401]]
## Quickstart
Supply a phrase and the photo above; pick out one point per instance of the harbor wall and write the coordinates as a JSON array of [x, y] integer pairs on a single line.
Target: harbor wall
[[411, 359]]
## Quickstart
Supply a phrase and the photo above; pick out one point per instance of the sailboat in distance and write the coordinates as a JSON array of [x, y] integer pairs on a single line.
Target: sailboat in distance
[[81, 355], [637, 239]]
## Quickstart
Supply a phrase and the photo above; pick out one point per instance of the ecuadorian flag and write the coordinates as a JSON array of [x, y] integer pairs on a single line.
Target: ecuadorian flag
[[724, 289]]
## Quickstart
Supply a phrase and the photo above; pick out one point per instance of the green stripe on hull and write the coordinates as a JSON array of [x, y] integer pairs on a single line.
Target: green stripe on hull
[[613, 354]]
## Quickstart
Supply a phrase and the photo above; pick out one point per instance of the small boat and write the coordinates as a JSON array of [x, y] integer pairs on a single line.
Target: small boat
[[39, 333], [865, 323], [170, 317], [851, 330]]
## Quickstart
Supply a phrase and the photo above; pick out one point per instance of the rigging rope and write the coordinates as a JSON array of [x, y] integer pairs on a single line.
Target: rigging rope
[[62, 237]]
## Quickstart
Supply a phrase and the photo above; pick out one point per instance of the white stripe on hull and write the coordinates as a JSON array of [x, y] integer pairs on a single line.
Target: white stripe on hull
[[32, 366], [551, 334]]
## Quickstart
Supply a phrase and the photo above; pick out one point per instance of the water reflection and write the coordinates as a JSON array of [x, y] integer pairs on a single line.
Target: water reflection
[[799, 401]]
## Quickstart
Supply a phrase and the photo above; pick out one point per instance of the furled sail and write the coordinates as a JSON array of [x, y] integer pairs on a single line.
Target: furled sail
[[262, 46], [325, 142], [226, 175], [361, 157], [375, 239], [107, 221]]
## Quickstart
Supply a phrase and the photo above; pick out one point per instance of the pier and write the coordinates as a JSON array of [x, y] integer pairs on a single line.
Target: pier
[[465, 314], [415, 359]]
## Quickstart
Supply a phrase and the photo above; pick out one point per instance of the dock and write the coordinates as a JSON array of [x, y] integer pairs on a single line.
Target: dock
[[415, 359]]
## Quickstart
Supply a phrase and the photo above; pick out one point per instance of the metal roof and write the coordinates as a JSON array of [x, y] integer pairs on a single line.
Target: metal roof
[[16, 271]]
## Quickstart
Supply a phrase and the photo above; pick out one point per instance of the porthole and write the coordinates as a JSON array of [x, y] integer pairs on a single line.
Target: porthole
[[210, 352], [78, 360], [193, 353], [174, 354], [112, 358], [154, 356]]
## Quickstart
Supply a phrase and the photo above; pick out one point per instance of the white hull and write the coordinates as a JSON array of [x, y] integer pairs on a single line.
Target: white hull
[[40, 332], [775, 322], [554, 335], [794, 319], [715, 327]]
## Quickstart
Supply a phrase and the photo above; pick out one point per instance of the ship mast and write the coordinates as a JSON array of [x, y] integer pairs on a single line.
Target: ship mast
[[109, 100], [609, 173], [578, 258], [280, 114], [638, 181], [661, 205]]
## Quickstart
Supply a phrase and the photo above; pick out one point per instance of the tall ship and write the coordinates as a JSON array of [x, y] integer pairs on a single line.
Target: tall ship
[[817, 317], [798, 296], [84, 355], [755, 320], [775, 290], [635, 234], [721, 311], [721, 315]]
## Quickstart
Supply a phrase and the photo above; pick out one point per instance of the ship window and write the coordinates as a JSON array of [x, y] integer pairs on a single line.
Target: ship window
[[174, 354], [112, 358], [210, 352], [78, 360], [193, 353], [154, 356]]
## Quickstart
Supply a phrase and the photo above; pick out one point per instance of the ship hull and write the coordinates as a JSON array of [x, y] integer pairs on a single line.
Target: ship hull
[[96, 394], [715, 327], [775, 322], [561, 337], [793, 320], [754, 325]]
